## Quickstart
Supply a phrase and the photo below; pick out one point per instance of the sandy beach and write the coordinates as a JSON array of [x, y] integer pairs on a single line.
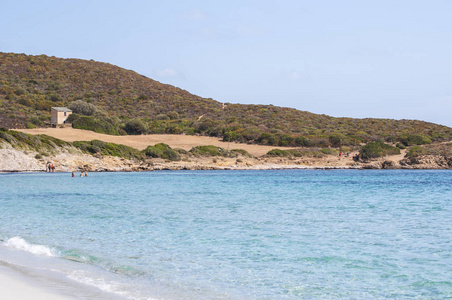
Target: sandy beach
[[22, 283], [14, 285]]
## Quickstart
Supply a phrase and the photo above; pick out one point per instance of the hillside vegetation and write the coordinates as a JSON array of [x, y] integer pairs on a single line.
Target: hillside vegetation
[[110, 99]]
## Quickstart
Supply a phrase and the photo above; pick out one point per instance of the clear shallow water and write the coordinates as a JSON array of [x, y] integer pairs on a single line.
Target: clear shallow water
[[288, 234]]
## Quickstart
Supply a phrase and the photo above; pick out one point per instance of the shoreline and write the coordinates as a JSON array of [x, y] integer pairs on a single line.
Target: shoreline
[[21, 282], [269, 168], [14, 284], [68, 159]]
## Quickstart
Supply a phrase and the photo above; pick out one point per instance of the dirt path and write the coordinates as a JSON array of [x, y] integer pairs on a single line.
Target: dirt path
[[140, 142]]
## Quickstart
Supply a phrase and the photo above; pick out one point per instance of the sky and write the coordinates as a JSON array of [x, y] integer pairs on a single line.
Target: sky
[[378, 59]]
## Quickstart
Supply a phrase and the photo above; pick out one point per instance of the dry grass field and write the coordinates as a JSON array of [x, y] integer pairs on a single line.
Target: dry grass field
[[140, 142]]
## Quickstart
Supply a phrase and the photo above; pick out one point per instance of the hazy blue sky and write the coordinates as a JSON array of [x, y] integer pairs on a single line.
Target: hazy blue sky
[[385, 59]]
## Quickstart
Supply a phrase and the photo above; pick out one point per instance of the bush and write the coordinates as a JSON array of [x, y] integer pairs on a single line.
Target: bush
[[162, 150], [54, 98], [303, 141], [267, 139], [35, 120], [377, 149], [135, 127], [400, 146], [103, 125], [162, 117], [208, 151], [72, 117], [111, 149], [173, 115], [416, 151], [241, 152], [411, 140], [25, 101], [286, 153], [278, 152], [83, 108], [180, 151], [152, 151]]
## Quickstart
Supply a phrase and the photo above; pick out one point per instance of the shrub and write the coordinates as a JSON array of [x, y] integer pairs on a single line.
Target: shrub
[[278, 152], [303, 141], [54, 98], [286, 153], [400, 146], [135, 127], [336, 140], [83, 108], [72, 117], [208, 151], [413, 139], [35, 120], [241, 152], [285, 140], [377, 149], [162, 117], [173, 115], [111, 149], [19, 91], [103, 125], [416, 151], [229, 136], [152, 151], [25, 101], [267, 139], [162, 150]]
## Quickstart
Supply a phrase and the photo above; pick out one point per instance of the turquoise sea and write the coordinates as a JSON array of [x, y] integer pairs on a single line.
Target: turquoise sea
[[279, 234]]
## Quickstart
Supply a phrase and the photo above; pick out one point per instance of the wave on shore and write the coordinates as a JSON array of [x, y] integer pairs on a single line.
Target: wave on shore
[[62, 271]]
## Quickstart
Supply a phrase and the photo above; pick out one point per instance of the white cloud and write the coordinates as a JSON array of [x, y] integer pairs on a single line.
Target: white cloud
[[167, 72]]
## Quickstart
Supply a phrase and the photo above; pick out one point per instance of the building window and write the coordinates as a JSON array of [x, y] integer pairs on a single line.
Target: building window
[[65, 114]]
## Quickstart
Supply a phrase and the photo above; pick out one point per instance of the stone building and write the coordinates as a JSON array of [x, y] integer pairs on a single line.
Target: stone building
[[58, 115]]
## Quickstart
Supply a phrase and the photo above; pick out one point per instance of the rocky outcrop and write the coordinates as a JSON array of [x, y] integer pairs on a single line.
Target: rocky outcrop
[[427, 162], [72, 159], [13, 160]]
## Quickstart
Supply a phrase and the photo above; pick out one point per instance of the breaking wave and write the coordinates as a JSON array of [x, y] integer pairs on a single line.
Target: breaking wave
[[20, 244]]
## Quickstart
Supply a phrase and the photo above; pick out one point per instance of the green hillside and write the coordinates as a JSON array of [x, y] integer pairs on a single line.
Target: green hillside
[[118, 101]]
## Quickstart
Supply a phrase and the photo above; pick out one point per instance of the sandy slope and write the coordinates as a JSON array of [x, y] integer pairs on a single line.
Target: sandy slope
[[140, 142]]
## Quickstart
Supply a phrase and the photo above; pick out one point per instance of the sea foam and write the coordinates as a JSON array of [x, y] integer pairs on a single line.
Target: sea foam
[[20, 244]]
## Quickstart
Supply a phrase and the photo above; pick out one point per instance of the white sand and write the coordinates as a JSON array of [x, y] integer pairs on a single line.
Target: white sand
[[16, 287]]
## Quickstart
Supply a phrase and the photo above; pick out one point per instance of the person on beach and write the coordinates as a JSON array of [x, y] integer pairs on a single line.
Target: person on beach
[[73, 174], [81, 174], [53, 168], [86, 174]]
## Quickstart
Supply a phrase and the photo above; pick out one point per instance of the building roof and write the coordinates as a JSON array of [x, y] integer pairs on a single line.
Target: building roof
[[63, 109]]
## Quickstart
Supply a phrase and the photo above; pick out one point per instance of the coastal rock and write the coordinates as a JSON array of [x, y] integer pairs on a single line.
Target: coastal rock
[[14, 160]]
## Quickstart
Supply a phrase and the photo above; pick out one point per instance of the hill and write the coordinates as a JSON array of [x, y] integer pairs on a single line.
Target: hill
[[122, 102]]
